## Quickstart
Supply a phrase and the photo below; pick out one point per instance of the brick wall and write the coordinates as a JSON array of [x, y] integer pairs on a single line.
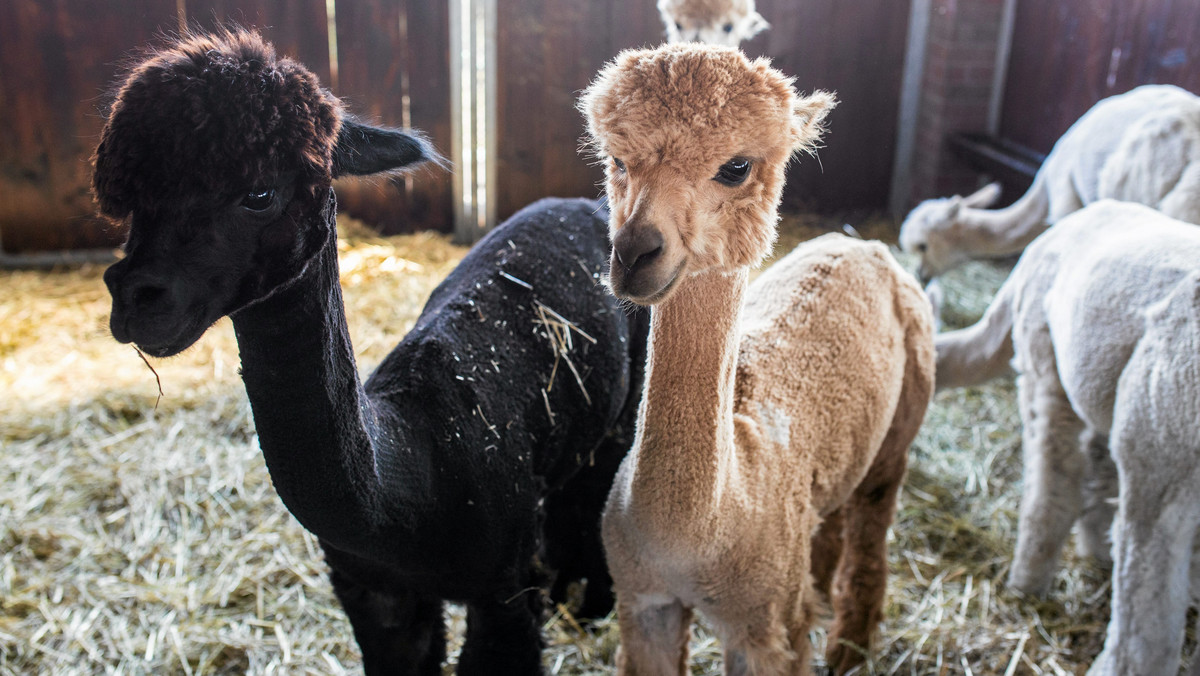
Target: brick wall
[[955, 93]]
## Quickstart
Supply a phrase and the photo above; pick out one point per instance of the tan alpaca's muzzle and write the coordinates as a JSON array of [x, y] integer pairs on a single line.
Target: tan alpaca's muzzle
[[641, 269]]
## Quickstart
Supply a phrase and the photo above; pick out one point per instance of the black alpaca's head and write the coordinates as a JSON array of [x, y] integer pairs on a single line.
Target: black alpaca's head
[[219, 156]]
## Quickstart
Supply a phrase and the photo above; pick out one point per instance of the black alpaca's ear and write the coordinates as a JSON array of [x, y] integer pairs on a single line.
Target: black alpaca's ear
[[362, 150]]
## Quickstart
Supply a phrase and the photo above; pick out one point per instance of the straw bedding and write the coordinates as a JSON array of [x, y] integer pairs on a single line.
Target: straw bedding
[[142, 535]]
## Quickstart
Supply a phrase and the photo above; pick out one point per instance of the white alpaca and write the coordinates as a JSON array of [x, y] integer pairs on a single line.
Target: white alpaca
[[716, 22], [1101, 319], [1141, 146]]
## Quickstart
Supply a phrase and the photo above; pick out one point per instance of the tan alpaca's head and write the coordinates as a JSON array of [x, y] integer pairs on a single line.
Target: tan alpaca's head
[[695, 139], [716, 22]]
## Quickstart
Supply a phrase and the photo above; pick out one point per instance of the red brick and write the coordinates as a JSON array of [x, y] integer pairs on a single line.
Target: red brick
[[955, 91]]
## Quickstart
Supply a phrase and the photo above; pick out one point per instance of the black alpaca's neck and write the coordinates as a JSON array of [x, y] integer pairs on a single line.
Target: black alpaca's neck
[[314, 421]]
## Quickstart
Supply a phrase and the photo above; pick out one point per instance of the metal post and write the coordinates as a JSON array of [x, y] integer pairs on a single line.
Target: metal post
[[910, 106], [473, 113]]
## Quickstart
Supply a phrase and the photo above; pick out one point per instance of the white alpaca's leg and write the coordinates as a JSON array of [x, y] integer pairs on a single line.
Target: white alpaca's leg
[[1051, 497], [1099, 499], [1155, 445], [937, 299], [654, 637], [1151, 578]]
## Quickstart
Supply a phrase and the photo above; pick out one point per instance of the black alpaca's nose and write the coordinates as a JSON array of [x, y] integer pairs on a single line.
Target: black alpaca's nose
[[146, 294], [138, 293], [144, 309], [637, 247]]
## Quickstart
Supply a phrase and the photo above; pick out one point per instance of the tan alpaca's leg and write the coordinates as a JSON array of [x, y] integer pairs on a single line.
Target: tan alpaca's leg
[[826, 553], [654, 639], [770, 645], [798, 635], [861, 580]]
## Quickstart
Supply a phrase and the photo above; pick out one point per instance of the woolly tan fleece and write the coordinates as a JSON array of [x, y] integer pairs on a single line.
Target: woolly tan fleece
[[682, 111], [768, 407]]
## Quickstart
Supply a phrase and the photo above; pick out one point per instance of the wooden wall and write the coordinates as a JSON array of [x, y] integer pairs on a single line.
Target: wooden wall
[[1069, 54], [857, 50], [60, 58], [550, 49], [54, 69]]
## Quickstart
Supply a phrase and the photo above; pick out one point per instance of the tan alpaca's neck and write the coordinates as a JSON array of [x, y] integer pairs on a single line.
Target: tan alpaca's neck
[[987, 233], [685, 424]]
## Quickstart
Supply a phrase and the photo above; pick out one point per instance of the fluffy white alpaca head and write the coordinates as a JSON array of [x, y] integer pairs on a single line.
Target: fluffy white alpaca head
[[934, 230], [715, 22]]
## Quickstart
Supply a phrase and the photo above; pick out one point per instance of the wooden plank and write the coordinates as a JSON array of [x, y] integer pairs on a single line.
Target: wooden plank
[[1069, 54], [548, 52], [427, 48], [857, 50], [60, 59], [393, 69], [297, 28]]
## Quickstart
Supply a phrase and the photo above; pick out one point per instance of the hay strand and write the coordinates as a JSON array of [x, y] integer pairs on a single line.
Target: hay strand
[[157, 380]]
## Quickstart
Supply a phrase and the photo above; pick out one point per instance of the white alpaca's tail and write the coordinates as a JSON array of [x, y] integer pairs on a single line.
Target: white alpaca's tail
[[981, 351]]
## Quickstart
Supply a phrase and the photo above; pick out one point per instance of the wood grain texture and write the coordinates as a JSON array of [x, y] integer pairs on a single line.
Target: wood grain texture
[[57, 62], [550, 50], [61, 59], [390, 51], [1069, 54]]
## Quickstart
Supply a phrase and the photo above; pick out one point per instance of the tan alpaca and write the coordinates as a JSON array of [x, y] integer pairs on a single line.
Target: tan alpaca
[[716, 22], [769, 407]]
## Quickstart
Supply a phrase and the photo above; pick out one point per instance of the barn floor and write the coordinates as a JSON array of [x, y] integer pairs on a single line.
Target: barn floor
[[141, 534]]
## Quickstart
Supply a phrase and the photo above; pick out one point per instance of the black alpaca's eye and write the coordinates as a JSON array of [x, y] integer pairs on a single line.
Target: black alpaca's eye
[[728, 28], [258, 200], [619, 164], [733, 172]]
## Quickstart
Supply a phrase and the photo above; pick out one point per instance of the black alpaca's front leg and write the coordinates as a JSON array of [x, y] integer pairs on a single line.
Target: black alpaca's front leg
[[574, 548], [398, 633], [503, 637]]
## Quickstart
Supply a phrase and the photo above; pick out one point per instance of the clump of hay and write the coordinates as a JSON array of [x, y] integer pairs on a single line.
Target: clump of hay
[[151, 541]]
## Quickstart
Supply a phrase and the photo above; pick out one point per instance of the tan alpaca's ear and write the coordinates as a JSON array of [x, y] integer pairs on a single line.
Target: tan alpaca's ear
[[808, 114]]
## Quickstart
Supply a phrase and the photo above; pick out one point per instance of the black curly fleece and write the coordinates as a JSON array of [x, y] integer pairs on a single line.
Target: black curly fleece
[[248, 112]]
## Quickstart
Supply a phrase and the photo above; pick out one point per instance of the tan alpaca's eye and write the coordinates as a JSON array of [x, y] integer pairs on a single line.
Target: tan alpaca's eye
[[619, 165], [734, 172], [922, 247], [728, 28]]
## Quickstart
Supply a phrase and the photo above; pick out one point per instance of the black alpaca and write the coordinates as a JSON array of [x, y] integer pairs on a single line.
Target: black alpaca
[[458, 465]]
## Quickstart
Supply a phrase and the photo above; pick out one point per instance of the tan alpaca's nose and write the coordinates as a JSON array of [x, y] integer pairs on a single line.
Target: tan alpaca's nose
[[637, 246]]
